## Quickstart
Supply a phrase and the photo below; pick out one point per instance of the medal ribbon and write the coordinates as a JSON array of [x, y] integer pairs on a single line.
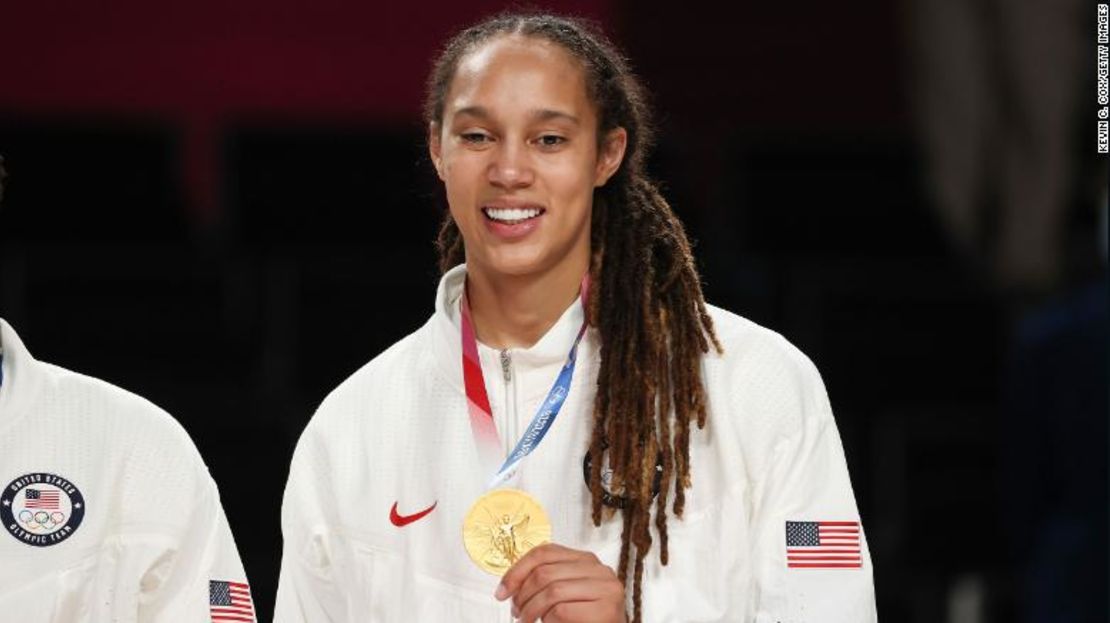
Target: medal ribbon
[[477, 400]]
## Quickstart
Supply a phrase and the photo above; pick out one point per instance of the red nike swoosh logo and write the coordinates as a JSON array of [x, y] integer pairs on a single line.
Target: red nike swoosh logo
[[400, 520]]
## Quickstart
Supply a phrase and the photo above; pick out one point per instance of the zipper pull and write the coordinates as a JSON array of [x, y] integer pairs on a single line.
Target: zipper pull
[[505, 363]]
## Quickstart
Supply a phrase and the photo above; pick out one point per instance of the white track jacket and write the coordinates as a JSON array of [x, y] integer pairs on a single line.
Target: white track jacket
[[109, 514], [387, 468]]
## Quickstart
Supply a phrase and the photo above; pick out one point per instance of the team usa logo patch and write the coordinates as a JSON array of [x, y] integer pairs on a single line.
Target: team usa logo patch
[[230, 601], [41, 509], [823, 545], [614, 497]]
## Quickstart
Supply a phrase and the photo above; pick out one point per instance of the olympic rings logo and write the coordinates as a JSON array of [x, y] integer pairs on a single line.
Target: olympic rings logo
[[41, 521], [41, 509]]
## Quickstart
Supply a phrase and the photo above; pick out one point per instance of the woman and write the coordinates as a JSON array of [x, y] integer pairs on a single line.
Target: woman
[[398, 502], [108, 510]]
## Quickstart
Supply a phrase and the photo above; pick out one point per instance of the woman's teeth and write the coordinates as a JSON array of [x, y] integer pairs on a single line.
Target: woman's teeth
[[511, 214]]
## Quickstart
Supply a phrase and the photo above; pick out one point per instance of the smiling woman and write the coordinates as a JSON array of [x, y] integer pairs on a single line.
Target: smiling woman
[[516, 145], [556, 241], [516, 142]]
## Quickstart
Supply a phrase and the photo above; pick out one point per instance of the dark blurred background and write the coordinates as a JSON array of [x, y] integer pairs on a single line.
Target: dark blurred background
[[227, 208]]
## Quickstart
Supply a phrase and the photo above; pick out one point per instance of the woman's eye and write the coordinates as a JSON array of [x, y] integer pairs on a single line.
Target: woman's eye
[[474, 138], [551, 140]]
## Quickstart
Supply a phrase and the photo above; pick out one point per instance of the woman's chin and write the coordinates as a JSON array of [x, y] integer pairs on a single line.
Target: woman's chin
[[515, 264]]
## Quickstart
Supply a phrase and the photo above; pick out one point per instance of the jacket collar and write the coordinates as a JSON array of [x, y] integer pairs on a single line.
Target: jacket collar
[[22, 376], [534, 367]]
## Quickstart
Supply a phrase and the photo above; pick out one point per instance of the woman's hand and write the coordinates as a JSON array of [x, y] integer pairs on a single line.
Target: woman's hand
[[562, 585]]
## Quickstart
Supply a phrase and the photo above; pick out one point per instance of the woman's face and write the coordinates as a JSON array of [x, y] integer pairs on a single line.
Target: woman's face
[[517, 151]]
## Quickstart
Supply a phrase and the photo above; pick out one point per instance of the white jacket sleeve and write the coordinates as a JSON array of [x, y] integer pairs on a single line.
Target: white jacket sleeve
[[811, 558], [201, 576], [307, 589]]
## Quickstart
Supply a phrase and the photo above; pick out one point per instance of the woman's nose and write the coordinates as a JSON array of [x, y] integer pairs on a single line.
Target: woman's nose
[[511, 168]]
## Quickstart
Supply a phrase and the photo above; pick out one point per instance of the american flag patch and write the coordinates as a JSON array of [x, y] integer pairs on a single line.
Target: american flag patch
[[45, 499], [230, 601], [823, 545]]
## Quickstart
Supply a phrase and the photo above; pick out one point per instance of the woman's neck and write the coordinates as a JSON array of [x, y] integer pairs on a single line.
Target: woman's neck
[[511, 311]]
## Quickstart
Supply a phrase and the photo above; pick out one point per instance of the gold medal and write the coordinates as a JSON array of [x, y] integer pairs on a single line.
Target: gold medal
[[502, 526]]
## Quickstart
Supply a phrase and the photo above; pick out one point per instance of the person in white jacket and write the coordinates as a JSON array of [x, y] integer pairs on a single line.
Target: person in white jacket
[[687, 460], [108, 512]]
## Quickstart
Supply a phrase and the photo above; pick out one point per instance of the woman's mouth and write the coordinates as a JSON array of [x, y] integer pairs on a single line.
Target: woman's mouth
[[512, 223], [511, 216]]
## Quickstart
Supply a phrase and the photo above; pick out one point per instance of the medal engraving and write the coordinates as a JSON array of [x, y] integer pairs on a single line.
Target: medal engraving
[[502, 526]]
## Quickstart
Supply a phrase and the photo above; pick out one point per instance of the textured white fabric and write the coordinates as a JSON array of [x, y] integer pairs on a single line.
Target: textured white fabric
[[397, 431], [153, 533]]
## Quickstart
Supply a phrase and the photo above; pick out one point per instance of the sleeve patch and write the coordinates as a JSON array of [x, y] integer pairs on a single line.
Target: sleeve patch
[[230, 602], [823, 545]]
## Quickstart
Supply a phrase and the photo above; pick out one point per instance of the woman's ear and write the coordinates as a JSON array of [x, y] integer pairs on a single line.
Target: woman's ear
[[435, 147], [610, 155]]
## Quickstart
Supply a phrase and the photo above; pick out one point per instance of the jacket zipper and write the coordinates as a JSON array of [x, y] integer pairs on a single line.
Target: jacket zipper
[[506, 362], [510, 404], [510, 438]]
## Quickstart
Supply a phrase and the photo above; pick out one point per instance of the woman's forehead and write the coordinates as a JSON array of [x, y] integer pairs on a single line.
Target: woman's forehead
[[513, 70]]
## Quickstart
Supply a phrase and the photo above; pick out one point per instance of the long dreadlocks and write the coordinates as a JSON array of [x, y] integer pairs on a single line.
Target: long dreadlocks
[[646, 301]]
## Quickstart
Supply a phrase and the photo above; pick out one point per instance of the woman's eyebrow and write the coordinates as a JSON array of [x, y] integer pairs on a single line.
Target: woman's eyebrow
[[473, 111], [547, 114], [536, 114]]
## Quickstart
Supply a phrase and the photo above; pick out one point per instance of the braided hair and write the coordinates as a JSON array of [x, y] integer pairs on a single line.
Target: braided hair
[[645, 302]]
